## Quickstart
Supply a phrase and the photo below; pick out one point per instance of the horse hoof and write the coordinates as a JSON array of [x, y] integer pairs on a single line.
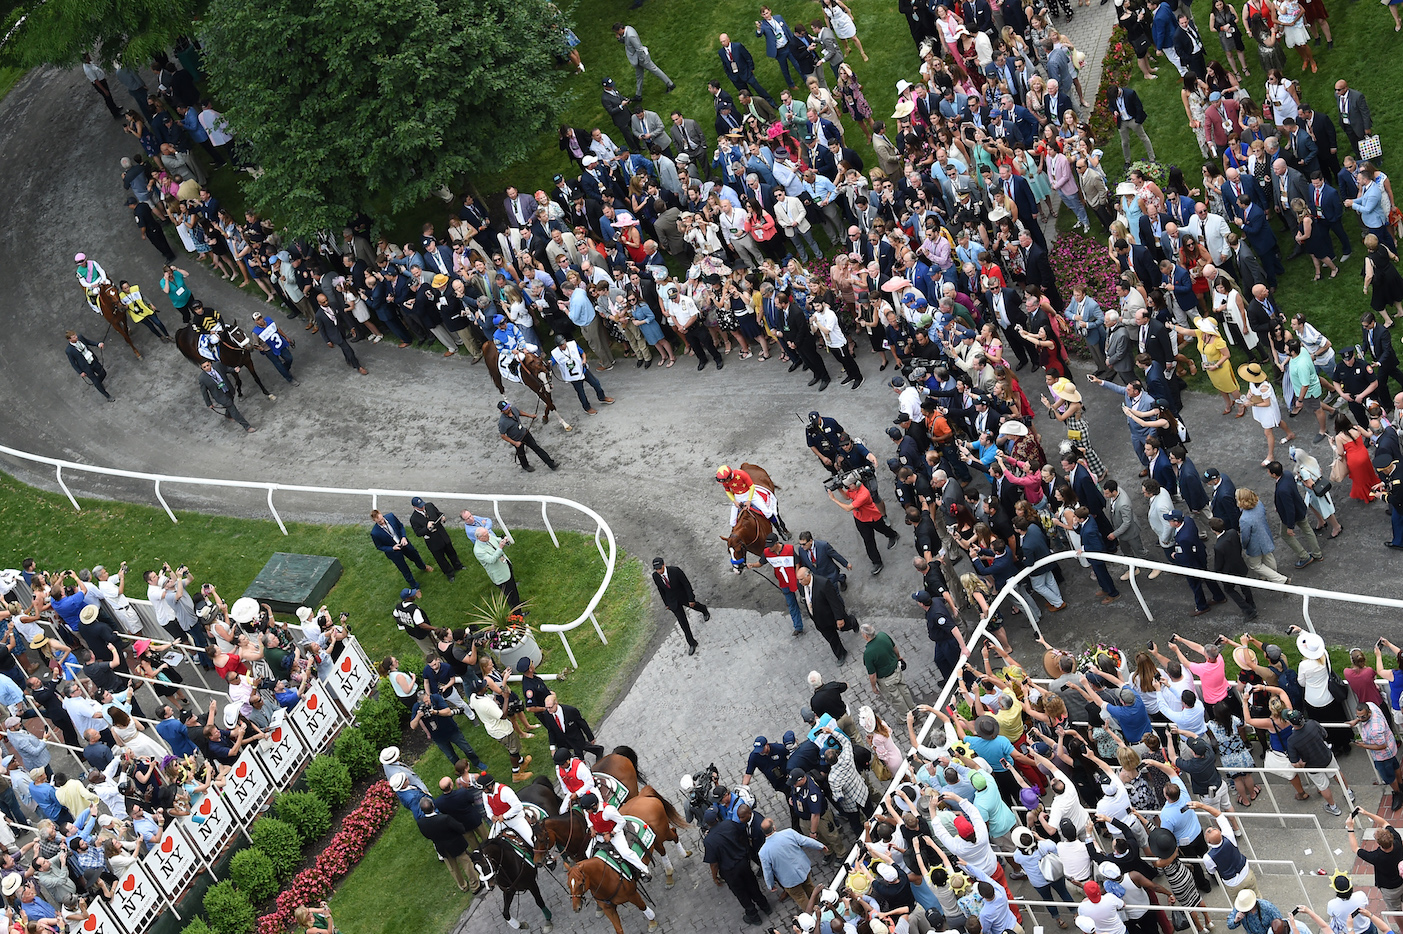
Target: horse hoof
[[670, 880], [653, 925], [567, 427], [686, 853], [547, 928], [599, 912]]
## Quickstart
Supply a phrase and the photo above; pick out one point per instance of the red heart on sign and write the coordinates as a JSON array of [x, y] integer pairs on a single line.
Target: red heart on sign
[[167, 844], [346, 664], [129, 883], [277, 737], [241, 771], [312, 702], [205, 807], [90, 923]]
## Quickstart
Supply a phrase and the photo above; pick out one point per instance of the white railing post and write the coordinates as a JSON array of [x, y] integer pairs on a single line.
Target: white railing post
[[274, 510], [163, 503], [545, 520], [58, 473]]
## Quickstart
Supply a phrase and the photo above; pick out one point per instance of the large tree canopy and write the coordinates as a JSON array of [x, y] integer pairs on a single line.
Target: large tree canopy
[[373, 105], [58, 32]]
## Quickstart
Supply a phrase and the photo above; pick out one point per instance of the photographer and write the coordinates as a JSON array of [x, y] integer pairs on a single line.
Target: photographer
[[866, 516], [435, 716]]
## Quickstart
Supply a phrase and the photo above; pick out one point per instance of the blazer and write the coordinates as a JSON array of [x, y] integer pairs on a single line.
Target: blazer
[[677, 591], [1191, 486], [1189, 550], [1144, 264], [383, 541], [1378, 343], [1306, 151], [575, 734], [1360, 121], [419, 522], [1124, 526], [633, 46], [1258, 232], [1331, 207], [978, 15], [826, 604], [78, 361], [1133, 106], [693, 131], [211, 389], [737, 63], [463, 805], [1325, 136], [1249, 268], [1163, 473], [771, 30], [445, 833], [1290, 505], [1290, 183], [1224, 503], [528, 209], [887, 156], [824, 562], [1227, 553]]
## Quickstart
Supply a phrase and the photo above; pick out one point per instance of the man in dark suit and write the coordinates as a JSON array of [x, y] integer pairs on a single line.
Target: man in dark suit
[[617, 107], [1161, 468], [1037, 268], [676, 591], [1005, 308], [1378, 344], [446, 834], [740, 67], [82, 356], [1245, 264], [826, 609], [1262, 238], [387, 534], [429, 524], [1326, 140], [568, 729], [1152, 337], [329, 321], [979, 17], [1261, 315], [1130, 117], [1304, 155], [1189, 46], [1189, 552], [1234, 187], [1228, 559], [215, 389], [688, 136], [1286, 186], [463, 805], [1353, 111], [1056, 101], [823, 559], [1295, 519], [1080, 478], [820, 158], [1016, 188], [1138, 259], [801, 340], [1327, 207], [1223, 502]]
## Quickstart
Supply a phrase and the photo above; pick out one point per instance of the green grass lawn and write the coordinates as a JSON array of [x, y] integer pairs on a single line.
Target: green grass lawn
[[1363, 54], [230, 552]]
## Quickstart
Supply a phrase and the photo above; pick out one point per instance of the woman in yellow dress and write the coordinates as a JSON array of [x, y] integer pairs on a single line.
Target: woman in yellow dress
[[1217, 360]]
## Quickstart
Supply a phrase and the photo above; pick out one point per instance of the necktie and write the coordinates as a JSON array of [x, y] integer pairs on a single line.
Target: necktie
[[665, 580]]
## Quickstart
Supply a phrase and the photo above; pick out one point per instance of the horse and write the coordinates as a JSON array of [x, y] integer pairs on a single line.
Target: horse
[[535, 376], [110, 304], [235, 351], [621, 763], [663, 819], [610, 890], [751, 530], [498, 863]]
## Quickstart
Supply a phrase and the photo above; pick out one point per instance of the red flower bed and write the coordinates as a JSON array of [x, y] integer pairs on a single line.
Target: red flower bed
[[338, 856]]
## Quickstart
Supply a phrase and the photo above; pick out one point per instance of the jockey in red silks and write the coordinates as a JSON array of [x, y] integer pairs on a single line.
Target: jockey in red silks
[[742, 491]]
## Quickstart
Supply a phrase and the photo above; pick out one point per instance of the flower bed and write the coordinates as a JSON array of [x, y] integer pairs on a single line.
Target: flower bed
[[337, 857]]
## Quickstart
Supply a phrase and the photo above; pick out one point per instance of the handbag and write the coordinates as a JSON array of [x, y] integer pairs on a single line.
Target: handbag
[[1338, 689], [1322, 488], [880, 769], [1370, 147], [1339, 470], [1051, 867]]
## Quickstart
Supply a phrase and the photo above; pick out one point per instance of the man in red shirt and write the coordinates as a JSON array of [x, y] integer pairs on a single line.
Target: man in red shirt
[[785, 564], [868, 519]]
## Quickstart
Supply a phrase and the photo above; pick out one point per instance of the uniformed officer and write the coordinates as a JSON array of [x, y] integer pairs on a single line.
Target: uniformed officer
[[809, 805], [770, 759], [1391, 486], [413, 621], [1356, 381], [1189, 552], [534, 689], [907, 451], [726, 849], [853, 455], [822, 437]]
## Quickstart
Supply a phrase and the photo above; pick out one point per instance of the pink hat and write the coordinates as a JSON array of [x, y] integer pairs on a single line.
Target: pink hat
[[140, 647]]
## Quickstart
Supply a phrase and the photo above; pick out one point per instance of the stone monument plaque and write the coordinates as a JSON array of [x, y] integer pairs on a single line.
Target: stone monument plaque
[[289, 581]]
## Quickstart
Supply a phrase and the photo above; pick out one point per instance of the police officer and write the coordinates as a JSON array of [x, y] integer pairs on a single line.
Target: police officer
[[1356, 381], [726, 849], [854, 455], [809, 805], [770, 759], [822, 437], [907, 450]]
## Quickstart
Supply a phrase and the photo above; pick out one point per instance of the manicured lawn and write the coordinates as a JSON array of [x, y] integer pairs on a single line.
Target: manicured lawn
[[1368, 55], [230, 553]]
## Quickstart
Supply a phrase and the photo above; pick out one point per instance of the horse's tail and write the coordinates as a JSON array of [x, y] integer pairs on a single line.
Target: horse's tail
[[673, 817], [628, 753]]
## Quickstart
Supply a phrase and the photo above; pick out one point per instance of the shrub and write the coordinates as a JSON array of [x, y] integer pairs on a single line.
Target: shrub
[[356, 753], [252, 872], [229, 910], [380, 717], [305, 812], [329, 779], [280, 843], [196, 926]]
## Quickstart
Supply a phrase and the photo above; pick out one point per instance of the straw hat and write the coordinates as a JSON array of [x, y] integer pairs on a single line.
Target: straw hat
[[1208, 325], [1252, 372], [903, 110], [245, 609], [1052, 663], [1244, 657], [1067, 390], [38, 641], [997, 215]]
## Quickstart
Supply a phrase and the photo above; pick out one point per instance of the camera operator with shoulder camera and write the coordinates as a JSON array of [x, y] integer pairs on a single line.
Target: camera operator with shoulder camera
[[866, 516]]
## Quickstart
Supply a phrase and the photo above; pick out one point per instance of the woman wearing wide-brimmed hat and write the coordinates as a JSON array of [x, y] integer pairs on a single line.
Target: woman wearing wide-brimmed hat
[[1261, 396], [1217, 359], [1066, 406]]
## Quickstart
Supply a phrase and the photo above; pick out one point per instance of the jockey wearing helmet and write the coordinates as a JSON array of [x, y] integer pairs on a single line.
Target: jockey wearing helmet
[[743, 492], [512, 347], [91, 277]]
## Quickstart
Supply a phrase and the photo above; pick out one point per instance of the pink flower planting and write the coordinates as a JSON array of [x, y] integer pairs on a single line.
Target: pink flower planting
[[341, 853]]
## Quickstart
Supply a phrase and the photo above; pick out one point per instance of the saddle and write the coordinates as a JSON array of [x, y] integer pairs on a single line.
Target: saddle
[[511, 839], [640, 839], [612, 791]]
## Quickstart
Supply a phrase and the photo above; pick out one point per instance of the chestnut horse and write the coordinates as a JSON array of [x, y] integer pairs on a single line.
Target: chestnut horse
[[570, 832], [610, 890], [235, 351], [110, 304], [535, 376], [752, 529]]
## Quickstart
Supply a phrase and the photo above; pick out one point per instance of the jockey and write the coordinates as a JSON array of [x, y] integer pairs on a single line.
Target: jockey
[[512, 347], [743, 492], [90, 276], [205, 319], [607, 825], [504, 808], [575, 777]]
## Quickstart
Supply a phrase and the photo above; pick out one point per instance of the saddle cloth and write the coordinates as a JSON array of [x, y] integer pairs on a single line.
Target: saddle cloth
[[612, 790], [640, 839]]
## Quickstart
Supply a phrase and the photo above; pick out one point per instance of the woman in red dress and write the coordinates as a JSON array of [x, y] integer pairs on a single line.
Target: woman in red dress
[[1350, 444]]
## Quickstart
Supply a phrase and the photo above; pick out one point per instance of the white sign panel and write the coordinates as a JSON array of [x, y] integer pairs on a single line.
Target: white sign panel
[[317, 718], [172, 862], [351, 679], [135, 899], [100, 920], [210, 825], [282, 754], [248, 788]]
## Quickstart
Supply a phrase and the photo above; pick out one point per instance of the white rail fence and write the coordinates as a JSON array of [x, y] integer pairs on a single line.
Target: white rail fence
[[1138, 566], [603, 534]]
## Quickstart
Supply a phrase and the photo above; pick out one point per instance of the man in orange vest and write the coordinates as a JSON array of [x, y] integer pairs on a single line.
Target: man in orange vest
[[575, 777], [607, 825], [784, 562], [504, 809]]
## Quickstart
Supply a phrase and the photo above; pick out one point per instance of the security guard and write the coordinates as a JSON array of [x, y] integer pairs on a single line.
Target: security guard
[[853, 455], [1356, 381], [769, 758], [907, 450], [809, 806], [413, 621], [822, 437], [1391, 486]]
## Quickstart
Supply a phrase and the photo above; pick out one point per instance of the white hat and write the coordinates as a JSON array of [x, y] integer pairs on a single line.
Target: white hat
[[1310, 645], [1246, 900], [304, 613], [231, 716], [806, 922], [902, 86], [1023, 837], [866, 719], [398, 781], [1109, 870], [12, 885], [588, 161], [1086, 924], [244, 610], [887, 871], [1014, 429], [389, 754]]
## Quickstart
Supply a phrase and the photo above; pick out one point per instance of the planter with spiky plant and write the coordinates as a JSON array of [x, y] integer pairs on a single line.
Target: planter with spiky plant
[[503, 630]]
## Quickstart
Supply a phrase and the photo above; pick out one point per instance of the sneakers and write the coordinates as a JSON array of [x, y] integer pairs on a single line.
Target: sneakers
[[1332, 809], [1349, 793]]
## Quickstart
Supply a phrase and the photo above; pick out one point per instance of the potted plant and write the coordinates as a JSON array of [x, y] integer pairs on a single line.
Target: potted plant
[[504, 631]]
